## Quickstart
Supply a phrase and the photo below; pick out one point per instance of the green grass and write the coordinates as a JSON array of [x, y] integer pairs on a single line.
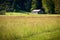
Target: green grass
[[27, 14], [30, 27]]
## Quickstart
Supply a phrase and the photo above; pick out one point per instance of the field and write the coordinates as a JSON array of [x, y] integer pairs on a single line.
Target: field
[[30, 27]]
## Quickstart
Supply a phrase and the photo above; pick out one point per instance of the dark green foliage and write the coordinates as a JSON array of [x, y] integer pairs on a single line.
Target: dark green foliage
[[39, 4], [34, 3], [48, 5], [57, 6], [28, 5], [9, 5], [24, 5], [2, 7]]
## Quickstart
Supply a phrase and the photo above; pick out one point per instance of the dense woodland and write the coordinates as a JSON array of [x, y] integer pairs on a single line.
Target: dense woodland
[[48, 6]]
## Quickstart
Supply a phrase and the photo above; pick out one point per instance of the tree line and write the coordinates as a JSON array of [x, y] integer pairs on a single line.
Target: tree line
[[48, 6]]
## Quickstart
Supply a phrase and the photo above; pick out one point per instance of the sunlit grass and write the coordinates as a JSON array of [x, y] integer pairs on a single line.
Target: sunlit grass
[[29, 14], [30, 27]]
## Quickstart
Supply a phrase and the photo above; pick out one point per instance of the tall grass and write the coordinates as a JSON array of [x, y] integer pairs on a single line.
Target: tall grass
[[30, 27]]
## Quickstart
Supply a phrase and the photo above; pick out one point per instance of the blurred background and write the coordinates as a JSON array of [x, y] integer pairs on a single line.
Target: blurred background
[[47, 6]]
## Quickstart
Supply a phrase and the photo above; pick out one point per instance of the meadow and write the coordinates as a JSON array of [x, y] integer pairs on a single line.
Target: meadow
[[30, 27]]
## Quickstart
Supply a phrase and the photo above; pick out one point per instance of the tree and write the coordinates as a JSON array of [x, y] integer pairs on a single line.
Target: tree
[[57, 6], [9, 5], [28, 5], [49, 6], [2, 7], [39, 4], [34, 3]]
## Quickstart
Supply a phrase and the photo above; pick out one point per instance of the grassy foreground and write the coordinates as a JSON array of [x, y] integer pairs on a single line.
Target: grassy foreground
[[30, 27]]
